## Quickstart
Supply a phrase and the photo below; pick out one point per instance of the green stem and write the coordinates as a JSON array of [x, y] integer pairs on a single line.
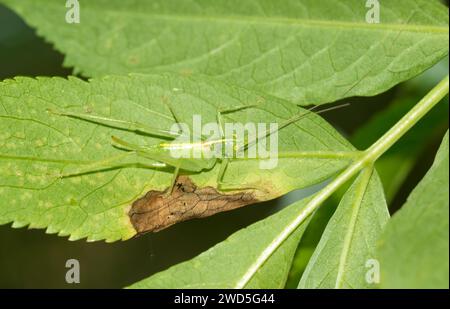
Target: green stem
[[408, 121], [385, 142], [366, 159]]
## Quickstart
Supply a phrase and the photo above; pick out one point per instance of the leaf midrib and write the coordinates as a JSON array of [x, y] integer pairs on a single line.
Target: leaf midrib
[[359, 196], [268, 20]]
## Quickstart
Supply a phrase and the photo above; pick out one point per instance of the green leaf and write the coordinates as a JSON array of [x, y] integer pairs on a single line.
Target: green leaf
[[36, 146], [228, 264], [349, 240], [308, 52], [414, 248]]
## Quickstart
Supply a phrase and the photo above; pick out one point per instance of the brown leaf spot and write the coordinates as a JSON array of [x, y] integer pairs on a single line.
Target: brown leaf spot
[[157, 210]]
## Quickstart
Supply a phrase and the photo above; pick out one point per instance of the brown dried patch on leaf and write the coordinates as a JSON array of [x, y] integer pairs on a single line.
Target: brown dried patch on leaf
[[157, 210]]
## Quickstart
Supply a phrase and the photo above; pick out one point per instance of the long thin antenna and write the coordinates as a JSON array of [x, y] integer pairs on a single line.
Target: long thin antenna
[[292, 120]]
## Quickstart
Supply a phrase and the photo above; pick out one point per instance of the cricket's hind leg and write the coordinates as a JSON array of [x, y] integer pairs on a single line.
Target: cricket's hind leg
[[117, 123]]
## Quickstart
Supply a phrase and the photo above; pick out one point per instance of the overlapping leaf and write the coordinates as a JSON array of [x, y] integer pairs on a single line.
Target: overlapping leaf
[[307, 51], [414, 248]]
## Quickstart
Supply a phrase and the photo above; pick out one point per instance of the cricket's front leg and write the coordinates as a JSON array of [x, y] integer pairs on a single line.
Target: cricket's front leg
[[173, 182], [228, 186]]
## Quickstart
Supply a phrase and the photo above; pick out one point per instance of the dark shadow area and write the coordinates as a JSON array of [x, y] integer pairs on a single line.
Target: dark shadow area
[[22, 53]]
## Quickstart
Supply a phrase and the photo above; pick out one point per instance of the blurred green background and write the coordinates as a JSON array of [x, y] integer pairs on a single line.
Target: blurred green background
[[33, 259]]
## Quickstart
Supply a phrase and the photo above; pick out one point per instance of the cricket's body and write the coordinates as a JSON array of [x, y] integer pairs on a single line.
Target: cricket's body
[[162, 153]]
